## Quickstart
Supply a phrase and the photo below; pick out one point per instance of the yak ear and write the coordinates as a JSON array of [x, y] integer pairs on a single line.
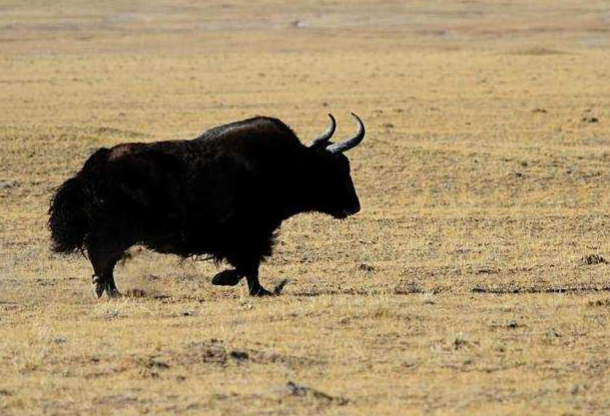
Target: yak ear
[[321, 141]]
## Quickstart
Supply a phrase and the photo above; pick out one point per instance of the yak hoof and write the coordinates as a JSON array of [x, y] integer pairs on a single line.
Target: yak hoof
[[226, 278], [97, 286], [113, 292], [278, 289], [100, 287], [261, 291]]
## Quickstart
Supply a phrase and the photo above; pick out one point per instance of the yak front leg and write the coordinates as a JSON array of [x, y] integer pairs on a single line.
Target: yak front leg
[[254, 286], [227, 278], [233, 277], [248, 268]]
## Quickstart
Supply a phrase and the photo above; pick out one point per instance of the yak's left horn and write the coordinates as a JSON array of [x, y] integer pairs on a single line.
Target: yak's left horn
[[350, 143], [323, 138]]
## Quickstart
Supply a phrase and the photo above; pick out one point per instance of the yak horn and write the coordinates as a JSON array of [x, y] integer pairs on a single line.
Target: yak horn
[[323, 138], [350, 143]]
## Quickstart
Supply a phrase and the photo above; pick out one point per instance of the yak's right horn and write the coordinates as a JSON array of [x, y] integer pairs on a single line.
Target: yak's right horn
[[323, 138], [350, 143]]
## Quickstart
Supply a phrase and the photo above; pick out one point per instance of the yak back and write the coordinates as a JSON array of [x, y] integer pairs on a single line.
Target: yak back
[[258, 137], [262, 153], [251, 163]]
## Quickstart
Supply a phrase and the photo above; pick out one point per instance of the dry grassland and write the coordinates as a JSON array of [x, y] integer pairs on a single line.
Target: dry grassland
[[462, 287]]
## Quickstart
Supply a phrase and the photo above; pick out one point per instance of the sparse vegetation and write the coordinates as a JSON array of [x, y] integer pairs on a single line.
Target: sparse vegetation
[[473, 282]]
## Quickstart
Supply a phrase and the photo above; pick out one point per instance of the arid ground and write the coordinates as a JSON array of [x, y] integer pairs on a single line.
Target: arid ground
[[473, 282]]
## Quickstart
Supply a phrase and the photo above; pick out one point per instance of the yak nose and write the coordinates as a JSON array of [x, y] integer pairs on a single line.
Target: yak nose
[[353, 209]]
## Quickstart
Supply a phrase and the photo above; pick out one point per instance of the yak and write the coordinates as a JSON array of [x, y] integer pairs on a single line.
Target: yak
[[223, 194]]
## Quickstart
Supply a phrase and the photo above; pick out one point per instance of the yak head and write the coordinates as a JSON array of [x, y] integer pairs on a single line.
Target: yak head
[[331, 189]]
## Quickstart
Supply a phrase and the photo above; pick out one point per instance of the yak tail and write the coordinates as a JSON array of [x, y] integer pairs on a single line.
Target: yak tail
[[72, 205], [68, 217]]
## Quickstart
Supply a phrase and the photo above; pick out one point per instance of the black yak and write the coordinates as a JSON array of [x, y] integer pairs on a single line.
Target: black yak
[[223, 194]]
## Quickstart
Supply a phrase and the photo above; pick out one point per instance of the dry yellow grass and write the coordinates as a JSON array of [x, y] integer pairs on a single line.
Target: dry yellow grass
[[459, 289]]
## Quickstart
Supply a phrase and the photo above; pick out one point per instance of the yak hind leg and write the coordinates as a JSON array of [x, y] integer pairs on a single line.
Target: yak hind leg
[[103, 262]]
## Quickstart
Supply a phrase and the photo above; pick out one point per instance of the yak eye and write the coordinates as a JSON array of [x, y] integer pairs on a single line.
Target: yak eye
[[344, 164]]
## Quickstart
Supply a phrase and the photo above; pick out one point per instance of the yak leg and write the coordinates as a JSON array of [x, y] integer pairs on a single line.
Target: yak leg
[[254, 285], [103, 263], [227, 278], [247, 262], [234, 276]]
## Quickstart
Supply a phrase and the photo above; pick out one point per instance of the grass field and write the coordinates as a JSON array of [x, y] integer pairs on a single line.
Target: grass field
[[473, 282]]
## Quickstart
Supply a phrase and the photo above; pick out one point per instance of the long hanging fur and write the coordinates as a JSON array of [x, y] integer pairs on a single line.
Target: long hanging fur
[[70, 209], [68, 220]]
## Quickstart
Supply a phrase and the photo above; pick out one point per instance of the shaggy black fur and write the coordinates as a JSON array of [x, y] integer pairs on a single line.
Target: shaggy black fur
[[223, 194]]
